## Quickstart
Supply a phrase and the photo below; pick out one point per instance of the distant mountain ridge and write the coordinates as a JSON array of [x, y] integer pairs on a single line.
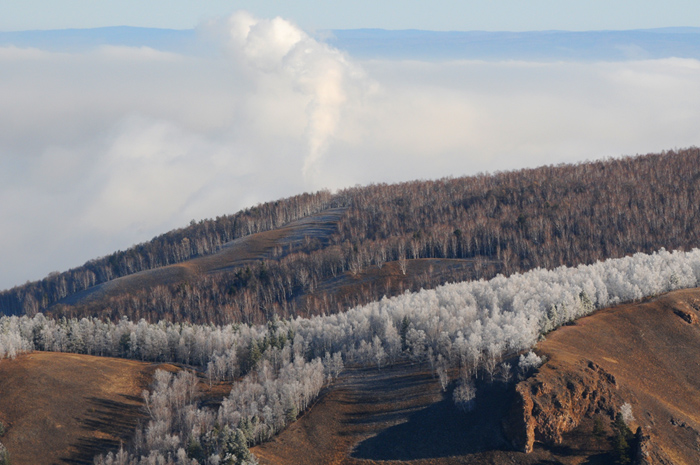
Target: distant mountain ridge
[[530, 46], [78, 40], [681, 42]]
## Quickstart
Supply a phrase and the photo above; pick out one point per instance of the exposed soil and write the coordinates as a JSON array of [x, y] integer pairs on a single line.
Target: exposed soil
[[65, 408], [396, 414]]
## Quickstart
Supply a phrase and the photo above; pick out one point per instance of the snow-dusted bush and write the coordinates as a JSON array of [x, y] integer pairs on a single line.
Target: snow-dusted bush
[[527, 363], [4, 455], [464, 395], [626, 413]]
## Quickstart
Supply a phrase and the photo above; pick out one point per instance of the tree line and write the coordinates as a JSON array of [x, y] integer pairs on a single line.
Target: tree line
[[198, 239], [502, 223]]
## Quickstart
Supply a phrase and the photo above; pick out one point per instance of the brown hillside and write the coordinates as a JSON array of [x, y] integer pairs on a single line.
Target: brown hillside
[[208, 289], [237, 253], [646, 354], [542, 217], [350, 289], [64, 408]]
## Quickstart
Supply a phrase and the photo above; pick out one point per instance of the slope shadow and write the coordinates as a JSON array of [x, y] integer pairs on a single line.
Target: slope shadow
[[110, 424], [441, 430]]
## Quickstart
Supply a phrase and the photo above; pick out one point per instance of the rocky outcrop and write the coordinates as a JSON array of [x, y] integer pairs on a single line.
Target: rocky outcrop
[[555, 399], [652, 350], [687, 316], [646, 453]]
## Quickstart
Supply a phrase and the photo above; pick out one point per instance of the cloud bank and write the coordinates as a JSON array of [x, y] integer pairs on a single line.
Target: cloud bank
[[105, 148]]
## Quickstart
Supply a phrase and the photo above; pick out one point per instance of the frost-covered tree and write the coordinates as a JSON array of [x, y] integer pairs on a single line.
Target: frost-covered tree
[[505, 372], [464, 395], [527, 363], [626, 413], [442, 370]]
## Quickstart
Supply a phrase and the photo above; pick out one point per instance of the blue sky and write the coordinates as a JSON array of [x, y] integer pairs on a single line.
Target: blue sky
[[106, 146], [509, 15]]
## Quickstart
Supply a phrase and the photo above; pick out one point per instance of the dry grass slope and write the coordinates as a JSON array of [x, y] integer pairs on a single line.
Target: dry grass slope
[[65, 408], [399, 415], [349, 288], [653, 350]]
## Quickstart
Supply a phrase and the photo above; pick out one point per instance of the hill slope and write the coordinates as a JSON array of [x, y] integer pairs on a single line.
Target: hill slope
[[399, 415], [650, 351], [65, 408], [245, 251], [649, 355], [468, 228]]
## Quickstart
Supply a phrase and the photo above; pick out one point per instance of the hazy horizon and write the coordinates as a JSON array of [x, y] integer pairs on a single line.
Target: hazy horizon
[[109, 145], [311, 15]]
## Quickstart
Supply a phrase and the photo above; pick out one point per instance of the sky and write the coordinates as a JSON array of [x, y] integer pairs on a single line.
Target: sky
[[110, 146], [439, 15]]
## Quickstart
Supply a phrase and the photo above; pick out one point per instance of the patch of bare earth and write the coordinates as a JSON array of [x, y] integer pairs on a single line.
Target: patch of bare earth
[[65, 408]]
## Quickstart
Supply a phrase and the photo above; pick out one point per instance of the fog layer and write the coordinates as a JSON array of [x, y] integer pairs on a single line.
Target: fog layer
[[108, 147]]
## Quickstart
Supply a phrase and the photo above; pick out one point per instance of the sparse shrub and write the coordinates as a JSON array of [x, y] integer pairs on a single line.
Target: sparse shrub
[[623, 441], [626, 413], [2, 429], [598, 430], [464, 395], [4, 455]]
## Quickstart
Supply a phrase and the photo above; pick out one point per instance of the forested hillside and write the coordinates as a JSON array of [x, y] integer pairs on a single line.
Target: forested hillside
[[469, 327], [501, 223], [176, 246]]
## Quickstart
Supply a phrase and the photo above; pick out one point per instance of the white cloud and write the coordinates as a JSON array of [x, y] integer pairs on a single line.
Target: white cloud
[[103, 149]]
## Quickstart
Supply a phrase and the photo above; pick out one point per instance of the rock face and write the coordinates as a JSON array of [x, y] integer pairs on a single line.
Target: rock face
[[647, 454], [555, 399], [643, 453], [645, 353]]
